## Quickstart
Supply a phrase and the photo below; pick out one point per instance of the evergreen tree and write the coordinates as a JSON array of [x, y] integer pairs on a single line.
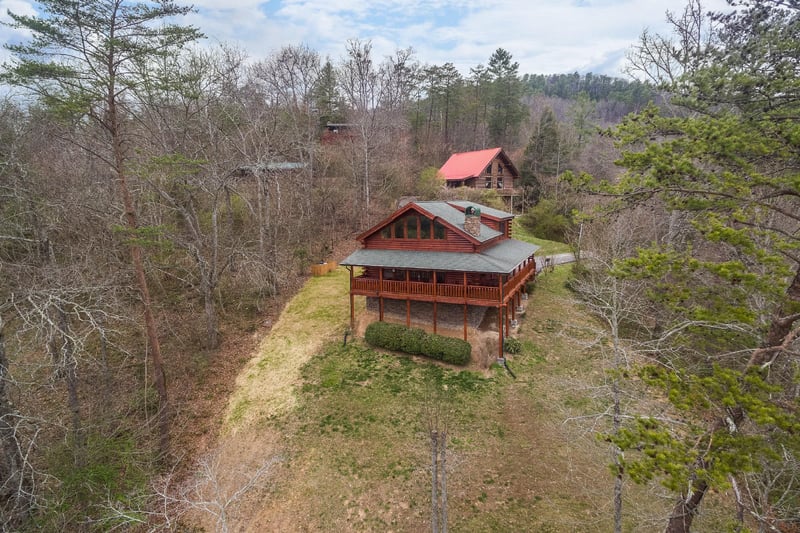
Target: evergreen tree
[[727, 293], [85, 60], [327, 98], [545, 157], [507, 111]]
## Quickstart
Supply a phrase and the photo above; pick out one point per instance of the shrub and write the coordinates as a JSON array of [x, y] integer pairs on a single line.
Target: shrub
[[447, 349], [548, 221], [411, 340], [385, 335], [457, 351], [512, 345], [416, 341]]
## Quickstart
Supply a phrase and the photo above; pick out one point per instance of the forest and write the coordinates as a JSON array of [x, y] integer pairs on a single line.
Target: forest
[[160, 201]]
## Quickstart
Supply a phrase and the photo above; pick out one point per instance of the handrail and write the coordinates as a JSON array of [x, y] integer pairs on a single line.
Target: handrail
[[445, 290]]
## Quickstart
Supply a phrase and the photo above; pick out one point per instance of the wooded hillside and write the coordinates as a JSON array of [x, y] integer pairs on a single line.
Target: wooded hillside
[[159, 202]]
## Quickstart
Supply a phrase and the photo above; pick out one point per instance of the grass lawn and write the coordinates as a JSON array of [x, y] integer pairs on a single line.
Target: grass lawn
[[546, 247], [351, 425]]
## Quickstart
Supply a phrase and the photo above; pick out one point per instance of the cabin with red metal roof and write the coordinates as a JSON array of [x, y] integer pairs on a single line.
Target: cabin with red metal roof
[[482, 169], [443, 265]]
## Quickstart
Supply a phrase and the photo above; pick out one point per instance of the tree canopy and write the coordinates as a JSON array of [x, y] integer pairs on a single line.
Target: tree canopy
[[725, 275]]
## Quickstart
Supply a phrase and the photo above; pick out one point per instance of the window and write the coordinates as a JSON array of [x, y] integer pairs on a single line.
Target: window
[[488, 169], [439, 231], [393, 274], [411, 227], [499, 169], [424, 228], [399, 232], [386, 232], [488, 183], [421, 276], [499, 183]]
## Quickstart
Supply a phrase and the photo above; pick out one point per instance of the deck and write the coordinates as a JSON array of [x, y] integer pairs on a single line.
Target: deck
[[444, 292]]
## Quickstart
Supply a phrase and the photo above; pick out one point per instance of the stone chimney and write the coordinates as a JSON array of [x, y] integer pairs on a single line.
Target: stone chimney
[[472, 221]]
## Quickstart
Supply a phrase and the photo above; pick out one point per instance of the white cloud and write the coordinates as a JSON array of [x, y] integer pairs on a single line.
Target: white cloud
[[544, 36]]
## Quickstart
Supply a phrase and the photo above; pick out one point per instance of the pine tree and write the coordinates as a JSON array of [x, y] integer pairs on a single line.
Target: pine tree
[[729, 290], [507, 110], [86, 60]]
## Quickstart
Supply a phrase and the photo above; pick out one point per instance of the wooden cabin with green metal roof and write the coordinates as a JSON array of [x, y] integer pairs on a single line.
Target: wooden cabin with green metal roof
[[443, 258]]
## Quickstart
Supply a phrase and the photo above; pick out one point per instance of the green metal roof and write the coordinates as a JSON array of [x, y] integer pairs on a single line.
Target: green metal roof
[[455, 217], [502, 258], [486, 210]]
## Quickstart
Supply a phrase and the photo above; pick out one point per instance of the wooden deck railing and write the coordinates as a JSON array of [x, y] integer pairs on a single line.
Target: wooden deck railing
[[422, 290]]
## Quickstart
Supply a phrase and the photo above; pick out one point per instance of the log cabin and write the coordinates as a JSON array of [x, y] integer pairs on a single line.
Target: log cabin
[[483, 169], [435, 259]]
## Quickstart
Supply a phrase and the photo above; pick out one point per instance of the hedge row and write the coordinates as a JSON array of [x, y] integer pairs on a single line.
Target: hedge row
[[416, 341]]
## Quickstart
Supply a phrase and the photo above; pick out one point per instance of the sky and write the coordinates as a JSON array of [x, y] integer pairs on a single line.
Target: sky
[[543, 36]]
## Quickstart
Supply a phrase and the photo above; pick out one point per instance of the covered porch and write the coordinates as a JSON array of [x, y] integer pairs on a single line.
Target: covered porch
[[495, 290]]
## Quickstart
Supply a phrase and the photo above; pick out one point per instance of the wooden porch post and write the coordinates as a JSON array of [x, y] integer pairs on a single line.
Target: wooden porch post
[[465, 305], [408, 303], [380, 295], [499, 332], [465, 320], [435, 296], [352, 303]]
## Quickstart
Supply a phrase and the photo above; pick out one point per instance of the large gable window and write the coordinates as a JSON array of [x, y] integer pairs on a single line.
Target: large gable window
[[414, 226]]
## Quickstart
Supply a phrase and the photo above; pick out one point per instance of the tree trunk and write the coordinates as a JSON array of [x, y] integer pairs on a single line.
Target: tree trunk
[[231, 224], [15, 489], [443, 468], [159, 378], [617, 416], [207, 289], [434, 482], [680, 521], [617, 460], [778, 337], [65, 361]]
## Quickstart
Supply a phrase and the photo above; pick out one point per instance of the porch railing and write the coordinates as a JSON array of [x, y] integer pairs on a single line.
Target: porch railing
[[443, 290]]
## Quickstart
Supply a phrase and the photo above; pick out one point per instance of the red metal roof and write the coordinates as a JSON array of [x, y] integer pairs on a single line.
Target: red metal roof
[[468, 164]]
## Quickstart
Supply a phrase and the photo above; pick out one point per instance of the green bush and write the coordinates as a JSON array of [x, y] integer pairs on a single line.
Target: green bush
[[447, 349], [512, 345], [385, 335], [416, 341], [547, 220], [411, 340], [457, 351]]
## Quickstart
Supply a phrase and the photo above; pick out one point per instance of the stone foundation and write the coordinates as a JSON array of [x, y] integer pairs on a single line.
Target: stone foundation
[[449, 316]]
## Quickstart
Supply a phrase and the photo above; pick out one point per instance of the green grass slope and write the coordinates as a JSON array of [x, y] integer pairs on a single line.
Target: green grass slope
[[351, 426]]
